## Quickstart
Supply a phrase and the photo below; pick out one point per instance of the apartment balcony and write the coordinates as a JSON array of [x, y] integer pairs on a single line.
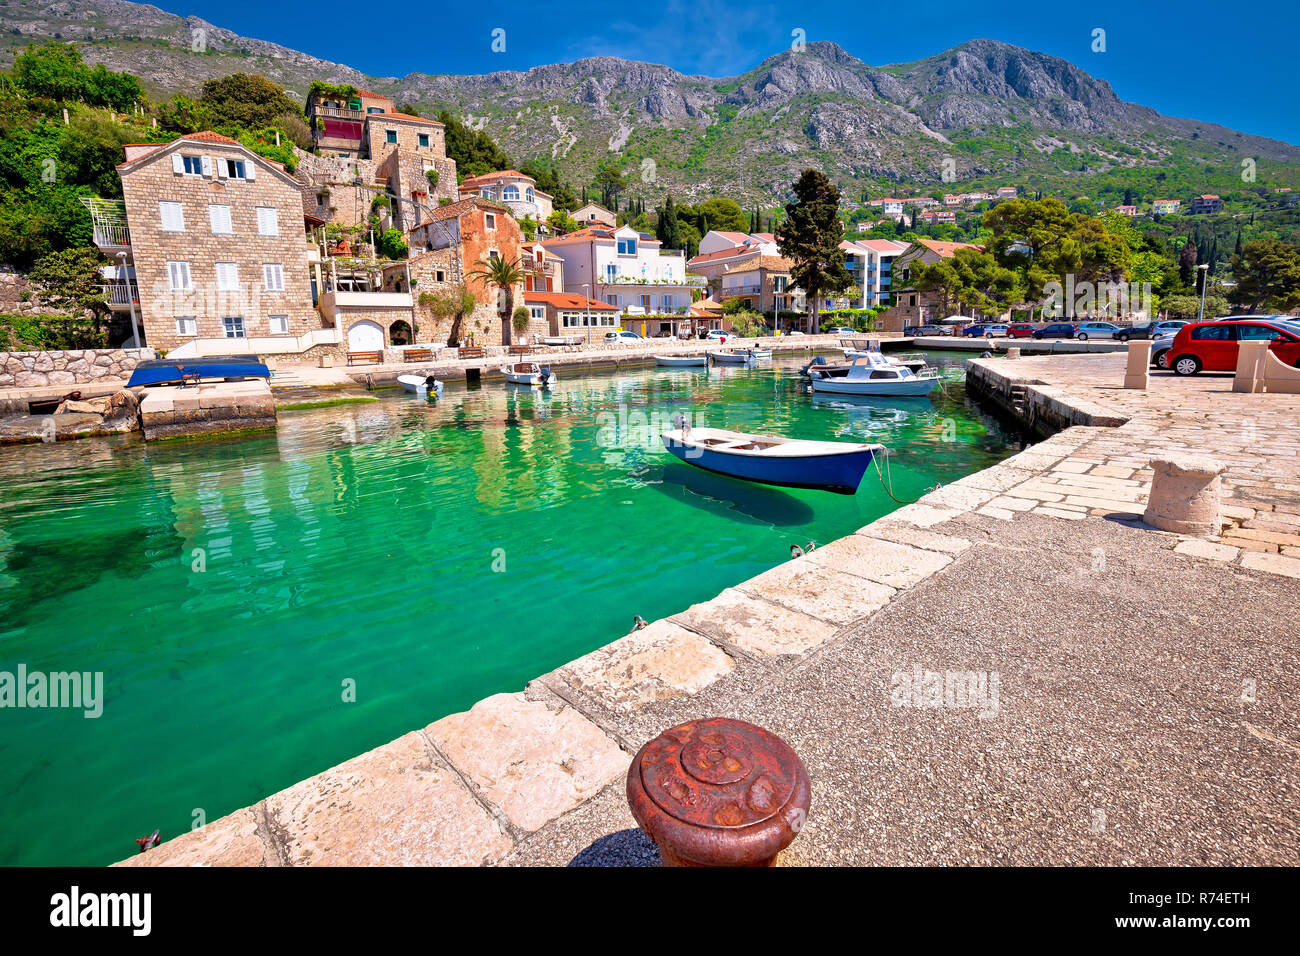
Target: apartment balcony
[[108, 222], [546, 267], [742, 290], [121, 296], [336, 112]]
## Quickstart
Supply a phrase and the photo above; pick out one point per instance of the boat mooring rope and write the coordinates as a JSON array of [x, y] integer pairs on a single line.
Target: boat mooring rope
[[887, 479]]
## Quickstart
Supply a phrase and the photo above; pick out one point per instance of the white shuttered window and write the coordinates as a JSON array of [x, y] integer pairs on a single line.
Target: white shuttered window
[[227, 277], [172, 216], [267, 224]]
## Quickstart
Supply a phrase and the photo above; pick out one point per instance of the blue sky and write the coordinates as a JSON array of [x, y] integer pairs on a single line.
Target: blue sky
[[1233, 64]]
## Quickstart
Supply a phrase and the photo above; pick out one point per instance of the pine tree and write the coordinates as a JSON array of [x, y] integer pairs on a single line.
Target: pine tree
[[810, 236]]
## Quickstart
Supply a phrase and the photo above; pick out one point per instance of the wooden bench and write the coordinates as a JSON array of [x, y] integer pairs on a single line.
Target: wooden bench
[[375, 358], [520, 349], [417, 355], [470, 351]]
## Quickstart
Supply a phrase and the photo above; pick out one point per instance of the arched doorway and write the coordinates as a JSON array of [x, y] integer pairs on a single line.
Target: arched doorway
[[365, 336], [399, 333]]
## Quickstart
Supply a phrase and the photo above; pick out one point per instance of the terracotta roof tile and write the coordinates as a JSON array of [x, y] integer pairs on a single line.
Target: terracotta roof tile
[[568, 300]]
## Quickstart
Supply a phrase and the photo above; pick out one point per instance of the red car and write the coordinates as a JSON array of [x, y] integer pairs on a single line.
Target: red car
[[1021, 331], [1212, 346]]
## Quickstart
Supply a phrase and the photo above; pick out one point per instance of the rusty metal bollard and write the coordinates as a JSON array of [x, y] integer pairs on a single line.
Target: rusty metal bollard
[[719, 792]]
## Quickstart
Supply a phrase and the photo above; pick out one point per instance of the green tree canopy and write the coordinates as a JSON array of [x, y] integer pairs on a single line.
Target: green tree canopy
[[246, 100], [1268, 275]]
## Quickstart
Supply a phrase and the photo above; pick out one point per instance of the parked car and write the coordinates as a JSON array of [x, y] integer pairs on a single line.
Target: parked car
[[1150, 330], [1056, 330], [622, 335], [1022, 330], [1096, 330], [915, 330], [714, 335], [1213, 346], [1160, 350], [843, 330], [984, 330]]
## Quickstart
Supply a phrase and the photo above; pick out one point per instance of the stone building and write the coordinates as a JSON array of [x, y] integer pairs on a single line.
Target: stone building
[[467, 233], [514, 190], [338, 122], [214, 238]]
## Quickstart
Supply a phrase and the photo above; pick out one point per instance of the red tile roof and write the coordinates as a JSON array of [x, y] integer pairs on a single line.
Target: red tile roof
[[725, 254], [403, 116], [946, 249], [568, 300], [497, 175]]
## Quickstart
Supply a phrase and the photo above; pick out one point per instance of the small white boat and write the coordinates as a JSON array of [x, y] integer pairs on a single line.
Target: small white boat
[[871, 374], [739, 356], [913, 360], [528, 373], [421, 385], [681, 361]]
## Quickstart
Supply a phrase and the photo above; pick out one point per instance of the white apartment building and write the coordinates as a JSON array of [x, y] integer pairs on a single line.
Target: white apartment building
[[626, 269]]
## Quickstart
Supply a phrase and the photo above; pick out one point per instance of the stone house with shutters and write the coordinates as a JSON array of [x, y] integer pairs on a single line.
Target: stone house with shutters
[[453, 240], [216, 244]]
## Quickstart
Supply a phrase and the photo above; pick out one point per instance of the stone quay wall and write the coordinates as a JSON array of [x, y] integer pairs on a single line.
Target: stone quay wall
[[70, 367]]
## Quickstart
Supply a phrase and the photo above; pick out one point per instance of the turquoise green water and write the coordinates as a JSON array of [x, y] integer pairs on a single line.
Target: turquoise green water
[[432, 555]]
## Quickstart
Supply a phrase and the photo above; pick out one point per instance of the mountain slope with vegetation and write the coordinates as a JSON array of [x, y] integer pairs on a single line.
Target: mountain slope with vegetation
[[983, 113]]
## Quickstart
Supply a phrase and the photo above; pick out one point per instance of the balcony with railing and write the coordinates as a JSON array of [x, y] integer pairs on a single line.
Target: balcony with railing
[[121, 295], [108, 220]]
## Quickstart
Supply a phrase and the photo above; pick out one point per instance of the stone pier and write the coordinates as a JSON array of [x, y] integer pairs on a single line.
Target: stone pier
[[174, 411]]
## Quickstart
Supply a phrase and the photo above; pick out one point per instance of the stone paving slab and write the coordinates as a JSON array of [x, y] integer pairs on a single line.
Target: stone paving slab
[[532, 760], [231, 841], [393, 806], [754, 625], [810, 588]]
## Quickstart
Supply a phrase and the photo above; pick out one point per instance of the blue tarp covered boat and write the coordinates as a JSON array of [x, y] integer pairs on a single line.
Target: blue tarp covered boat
[[181, 371], [789, 462]]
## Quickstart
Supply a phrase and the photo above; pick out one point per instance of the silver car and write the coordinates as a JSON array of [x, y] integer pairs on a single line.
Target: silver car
[[1096, 330]]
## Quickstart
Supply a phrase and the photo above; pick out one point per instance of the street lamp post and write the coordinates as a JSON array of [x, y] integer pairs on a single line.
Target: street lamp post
[[130, 301], [1205, 280]]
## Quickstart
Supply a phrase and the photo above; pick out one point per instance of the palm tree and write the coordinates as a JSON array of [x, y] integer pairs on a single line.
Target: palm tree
[[505, 274]]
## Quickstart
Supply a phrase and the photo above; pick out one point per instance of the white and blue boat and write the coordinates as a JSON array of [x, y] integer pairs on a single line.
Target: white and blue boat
[[871, 374], [789, 462], [681, 361]]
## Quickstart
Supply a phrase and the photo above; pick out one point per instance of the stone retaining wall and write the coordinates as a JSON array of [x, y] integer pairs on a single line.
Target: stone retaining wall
[[71, 367], [1041, 408]]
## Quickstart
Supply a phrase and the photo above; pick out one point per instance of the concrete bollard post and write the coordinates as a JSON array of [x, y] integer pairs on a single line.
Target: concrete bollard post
[[1250, 373], [326, 360], [1185, 495], [719, 792], [1013, 351], [1138, 370]]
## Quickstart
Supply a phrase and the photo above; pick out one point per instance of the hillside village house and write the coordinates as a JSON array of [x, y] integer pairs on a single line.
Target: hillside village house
[[515, 191], [594, 214], [721, 252], [338, 123], [1129, 211], [911, 306], [454, 239], [1165, 207], [1206, 204], [763, 284], [214, 239], [569, 315], [625, 269]]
